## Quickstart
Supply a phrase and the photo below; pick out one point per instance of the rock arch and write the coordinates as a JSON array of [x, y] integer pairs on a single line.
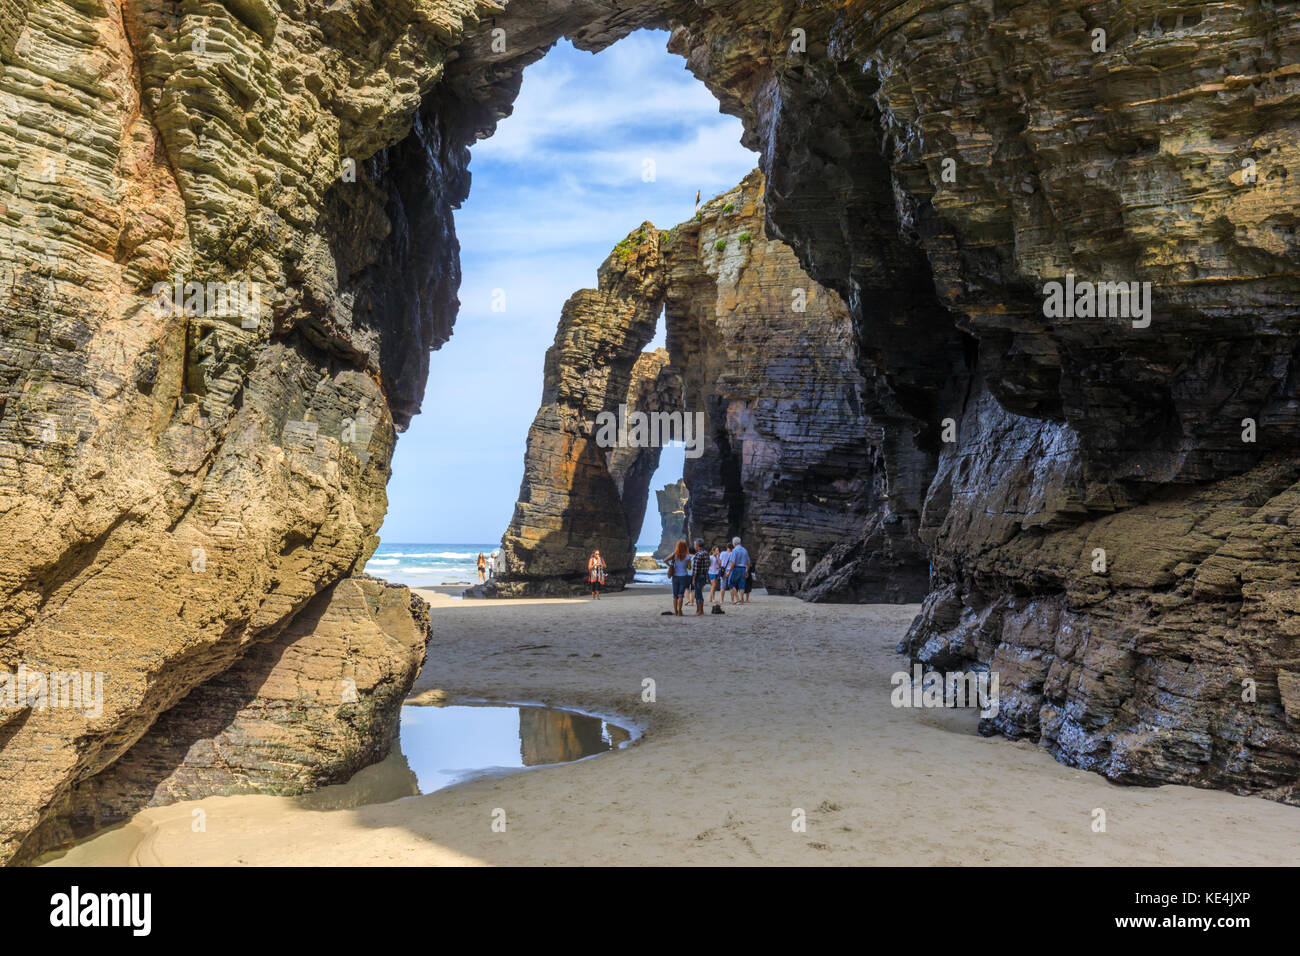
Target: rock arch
[[207, 140]]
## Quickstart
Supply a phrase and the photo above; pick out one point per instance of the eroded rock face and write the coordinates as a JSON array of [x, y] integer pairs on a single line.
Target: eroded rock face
[[1000, 150], [178, 484], [309, 708], [671, 500], [770, 358], [1147, 641], [148, 141]]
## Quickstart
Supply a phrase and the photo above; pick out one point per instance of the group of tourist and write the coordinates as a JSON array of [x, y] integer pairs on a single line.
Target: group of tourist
[[488, 565], [723, 569]]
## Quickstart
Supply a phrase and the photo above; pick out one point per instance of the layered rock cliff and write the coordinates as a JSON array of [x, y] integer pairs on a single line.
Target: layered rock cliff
[[180, 478], [1151, 642], [940, 164], [583, 490], [178, 483], [770, 357], [309, 708]]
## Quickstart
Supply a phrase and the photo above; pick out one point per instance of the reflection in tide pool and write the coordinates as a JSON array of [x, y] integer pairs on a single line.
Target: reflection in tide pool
[[445, 745], [439, 746]]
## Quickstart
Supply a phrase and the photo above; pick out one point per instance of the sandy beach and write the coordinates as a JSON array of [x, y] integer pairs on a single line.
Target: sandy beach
[[776, 707]]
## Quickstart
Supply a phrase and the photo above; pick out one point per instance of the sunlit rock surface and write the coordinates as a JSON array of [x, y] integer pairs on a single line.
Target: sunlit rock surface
[[307, 709], [176, 487], [771, 360]]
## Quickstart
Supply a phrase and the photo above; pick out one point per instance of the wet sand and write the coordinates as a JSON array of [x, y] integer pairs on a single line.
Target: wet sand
[[775, 708]]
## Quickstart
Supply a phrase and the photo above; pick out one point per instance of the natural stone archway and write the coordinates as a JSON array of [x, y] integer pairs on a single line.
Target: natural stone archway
[[144, 141], [768, 359], [578, 494]]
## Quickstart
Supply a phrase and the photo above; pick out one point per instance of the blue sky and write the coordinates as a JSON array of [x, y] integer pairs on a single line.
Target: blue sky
[[558, 184]]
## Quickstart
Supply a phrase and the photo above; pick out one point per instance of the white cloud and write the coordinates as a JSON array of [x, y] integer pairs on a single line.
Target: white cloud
[[571, 95]]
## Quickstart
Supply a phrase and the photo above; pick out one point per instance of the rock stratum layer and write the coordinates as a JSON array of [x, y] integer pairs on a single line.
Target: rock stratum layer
[[307, 709], [769, 356], [933, 163]]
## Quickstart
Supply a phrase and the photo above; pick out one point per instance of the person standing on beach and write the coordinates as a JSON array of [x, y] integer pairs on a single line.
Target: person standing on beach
[[700, 574], [713, 575], [739, 569], [679, 569], [492, 564], [482, 568], [596, 574]]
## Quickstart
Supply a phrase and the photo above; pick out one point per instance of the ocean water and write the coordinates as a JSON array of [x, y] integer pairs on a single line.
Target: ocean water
[[659, 577], [418, 565], [426, 564]]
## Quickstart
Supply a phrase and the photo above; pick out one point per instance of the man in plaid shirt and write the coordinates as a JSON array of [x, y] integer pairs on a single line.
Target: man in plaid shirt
[[700, 574]]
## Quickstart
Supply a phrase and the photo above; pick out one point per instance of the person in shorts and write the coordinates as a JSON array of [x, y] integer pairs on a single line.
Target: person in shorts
[[715, 575], [739, 569]]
